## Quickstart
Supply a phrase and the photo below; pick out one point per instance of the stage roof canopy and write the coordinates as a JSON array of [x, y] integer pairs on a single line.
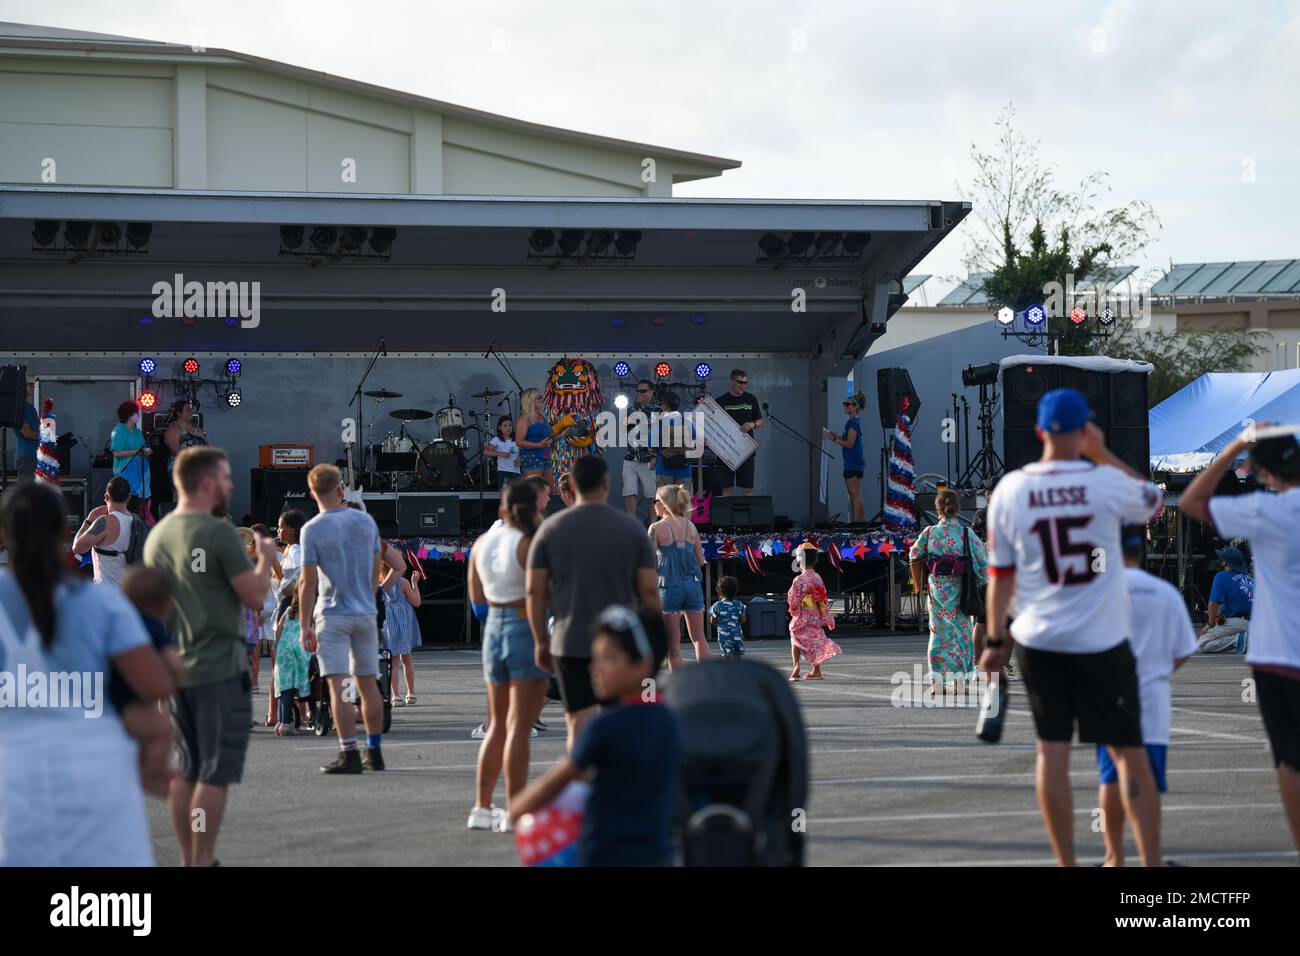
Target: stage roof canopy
[[1197, 422], [697, 281]]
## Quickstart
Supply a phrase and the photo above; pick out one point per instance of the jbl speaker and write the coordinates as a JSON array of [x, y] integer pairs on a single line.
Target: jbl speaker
[[892, 386], [13, 395], [421, 513], [741, 511]]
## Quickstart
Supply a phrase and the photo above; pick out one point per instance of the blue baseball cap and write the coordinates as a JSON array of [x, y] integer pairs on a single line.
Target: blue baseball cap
[[1062, 410]]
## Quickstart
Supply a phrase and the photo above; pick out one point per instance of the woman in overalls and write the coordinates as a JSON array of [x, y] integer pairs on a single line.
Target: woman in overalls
[[681, 558]]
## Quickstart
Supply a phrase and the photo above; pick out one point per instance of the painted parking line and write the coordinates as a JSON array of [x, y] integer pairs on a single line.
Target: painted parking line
[[814, 821], [1090, 772], [1281, 855]]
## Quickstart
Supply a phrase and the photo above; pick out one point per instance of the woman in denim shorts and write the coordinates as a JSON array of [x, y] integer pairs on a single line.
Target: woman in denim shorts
[[516, 686], [681, 558]]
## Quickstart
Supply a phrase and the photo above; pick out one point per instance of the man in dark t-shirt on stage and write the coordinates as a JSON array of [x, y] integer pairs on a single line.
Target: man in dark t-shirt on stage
[[747, 413]]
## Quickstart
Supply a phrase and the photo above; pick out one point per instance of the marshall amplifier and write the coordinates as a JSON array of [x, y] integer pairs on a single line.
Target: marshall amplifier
[[427, 514]]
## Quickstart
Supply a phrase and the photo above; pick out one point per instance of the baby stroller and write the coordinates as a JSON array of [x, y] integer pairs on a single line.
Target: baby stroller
[[744, 765], [318, 699]]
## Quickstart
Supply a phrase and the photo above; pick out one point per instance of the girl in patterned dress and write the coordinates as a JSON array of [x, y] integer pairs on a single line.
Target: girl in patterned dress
[[938, 550], [401, 629], [810, 616], [292, 683]]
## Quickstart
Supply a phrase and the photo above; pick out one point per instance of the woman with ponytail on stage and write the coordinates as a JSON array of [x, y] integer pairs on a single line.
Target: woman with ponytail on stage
[[855, 462]]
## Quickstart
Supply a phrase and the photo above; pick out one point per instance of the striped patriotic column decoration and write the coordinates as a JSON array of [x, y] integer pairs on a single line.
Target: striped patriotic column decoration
[[47, 452], [900, 496]]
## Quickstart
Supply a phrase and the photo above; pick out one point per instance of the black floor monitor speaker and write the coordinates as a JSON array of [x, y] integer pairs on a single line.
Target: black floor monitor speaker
[[741, 511], [892, 386], [13, 395], [420, 513]]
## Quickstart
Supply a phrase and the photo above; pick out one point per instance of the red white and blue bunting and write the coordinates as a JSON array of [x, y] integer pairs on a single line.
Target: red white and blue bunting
[[900, 496], [47, 452]]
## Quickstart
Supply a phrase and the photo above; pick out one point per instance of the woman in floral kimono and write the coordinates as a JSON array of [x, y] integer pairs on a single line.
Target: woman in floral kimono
[[938, 550], [810, 616]]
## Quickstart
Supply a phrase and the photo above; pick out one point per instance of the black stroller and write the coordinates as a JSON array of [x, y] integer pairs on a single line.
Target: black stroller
[[318, 699], [744, 765]]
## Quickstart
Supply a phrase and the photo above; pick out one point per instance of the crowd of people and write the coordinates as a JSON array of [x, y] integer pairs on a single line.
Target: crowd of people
[[592, 603]]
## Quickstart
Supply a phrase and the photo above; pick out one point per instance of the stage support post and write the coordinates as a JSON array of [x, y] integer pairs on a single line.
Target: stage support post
[[893, 597]]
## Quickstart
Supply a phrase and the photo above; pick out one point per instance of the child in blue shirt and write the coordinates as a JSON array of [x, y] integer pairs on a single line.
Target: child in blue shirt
[[728, 616], [633, 749]]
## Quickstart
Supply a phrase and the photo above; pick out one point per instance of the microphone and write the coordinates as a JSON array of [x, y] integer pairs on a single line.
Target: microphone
[[491, 346], [765, 406], [503, 401], [383, 346], [451, 398]]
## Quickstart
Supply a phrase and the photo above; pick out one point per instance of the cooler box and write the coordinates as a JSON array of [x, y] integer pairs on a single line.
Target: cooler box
[[766, 618]]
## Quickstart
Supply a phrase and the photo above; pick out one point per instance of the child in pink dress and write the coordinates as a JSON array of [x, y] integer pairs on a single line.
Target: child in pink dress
[[810, 616]]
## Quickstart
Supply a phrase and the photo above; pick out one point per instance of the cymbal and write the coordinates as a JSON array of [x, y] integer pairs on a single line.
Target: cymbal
[[487, 393], [410, 414], [382, 393]]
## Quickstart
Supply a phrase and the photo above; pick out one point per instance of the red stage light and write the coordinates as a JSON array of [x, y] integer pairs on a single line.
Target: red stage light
[[148, 400], [1078, 316], [663, 370], [190, 366]]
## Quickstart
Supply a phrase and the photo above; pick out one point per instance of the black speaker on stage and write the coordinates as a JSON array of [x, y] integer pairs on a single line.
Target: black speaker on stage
[[1022, 387], [270, 485], [892, 386], [13, 395], [741, 511], [421, 513]]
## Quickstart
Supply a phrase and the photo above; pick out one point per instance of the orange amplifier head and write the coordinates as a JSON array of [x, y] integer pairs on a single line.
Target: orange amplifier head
[[286, 456]]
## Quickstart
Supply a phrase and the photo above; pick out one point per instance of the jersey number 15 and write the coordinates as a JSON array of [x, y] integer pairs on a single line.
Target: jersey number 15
[[1054, 533]]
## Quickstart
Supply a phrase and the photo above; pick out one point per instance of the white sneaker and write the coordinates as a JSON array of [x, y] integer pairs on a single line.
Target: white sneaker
[[479, 732], [502, 824], [484, 818]]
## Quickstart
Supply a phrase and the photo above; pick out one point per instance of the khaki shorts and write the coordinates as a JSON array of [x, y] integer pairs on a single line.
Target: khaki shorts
[[638, 479], [348, 644]]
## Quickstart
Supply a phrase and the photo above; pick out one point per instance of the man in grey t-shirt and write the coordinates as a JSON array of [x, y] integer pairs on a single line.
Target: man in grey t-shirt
[[340, 571], [581, 561]]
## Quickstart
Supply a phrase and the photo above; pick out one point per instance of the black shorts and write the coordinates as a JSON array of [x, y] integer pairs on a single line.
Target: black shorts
[[212, 723], [1279, 705], [718, 476], [574, 677], [1099, 690], [852, 474]]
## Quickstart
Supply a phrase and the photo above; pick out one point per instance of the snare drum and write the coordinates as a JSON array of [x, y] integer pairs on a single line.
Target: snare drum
[[451, 423]]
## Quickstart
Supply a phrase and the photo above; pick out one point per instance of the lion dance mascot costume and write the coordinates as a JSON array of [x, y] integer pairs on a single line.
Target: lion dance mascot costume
[[573, 400]]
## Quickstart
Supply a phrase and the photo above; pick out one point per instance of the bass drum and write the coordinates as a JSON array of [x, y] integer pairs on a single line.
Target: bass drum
[[440, 466]]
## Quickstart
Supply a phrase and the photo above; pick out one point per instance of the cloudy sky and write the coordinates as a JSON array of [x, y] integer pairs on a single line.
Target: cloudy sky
[[1192, 106]]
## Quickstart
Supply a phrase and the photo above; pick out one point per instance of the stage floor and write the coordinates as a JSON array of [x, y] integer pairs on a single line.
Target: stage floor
[[891, 786]]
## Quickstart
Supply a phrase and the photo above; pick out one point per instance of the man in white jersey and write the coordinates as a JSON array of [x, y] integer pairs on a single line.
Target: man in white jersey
[[1054, 544], [1163, 638], [1271, 523]]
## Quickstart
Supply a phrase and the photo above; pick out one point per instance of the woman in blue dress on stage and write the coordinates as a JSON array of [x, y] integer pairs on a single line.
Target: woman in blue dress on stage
[[131, 455]]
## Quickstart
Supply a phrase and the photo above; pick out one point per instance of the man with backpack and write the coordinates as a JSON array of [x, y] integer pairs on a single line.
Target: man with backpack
[[113, 535]]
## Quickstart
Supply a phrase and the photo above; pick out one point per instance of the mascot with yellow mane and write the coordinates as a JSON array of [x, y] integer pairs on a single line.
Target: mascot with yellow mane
[[572, 400]]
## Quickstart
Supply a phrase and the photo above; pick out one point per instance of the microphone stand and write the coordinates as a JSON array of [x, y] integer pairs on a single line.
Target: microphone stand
[[492, 351], [361, 405], [788, 430]]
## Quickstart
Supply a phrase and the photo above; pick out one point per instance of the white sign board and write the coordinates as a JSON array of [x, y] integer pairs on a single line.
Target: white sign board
[[723, 435]]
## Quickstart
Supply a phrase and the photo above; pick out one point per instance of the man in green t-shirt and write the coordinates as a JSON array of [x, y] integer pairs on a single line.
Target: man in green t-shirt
[[212, 581]]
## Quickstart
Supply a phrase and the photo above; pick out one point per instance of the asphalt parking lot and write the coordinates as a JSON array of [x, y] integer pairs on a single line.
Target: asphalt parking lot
[[892, 786]]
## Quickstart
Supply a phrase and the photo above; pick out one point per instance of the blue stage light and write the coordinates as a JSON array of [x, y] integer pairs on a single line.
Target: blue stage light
[[148, 366], [1034, 315], [233, 366], [622, 369], [703, 370]]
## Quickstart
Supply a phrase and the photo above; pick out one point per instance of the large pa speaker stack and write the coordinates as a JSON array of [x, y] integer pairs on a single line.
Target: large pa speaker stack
[[1118, 400]]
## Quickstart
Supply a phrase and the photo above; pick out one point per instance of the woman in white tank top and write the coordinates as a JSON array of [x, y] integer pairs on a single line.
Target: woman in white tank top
[[516, 686]]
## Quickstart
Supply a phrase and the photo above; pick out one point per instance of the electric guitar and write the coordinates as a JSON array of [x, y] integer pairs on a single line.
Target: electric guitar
[[352, 492]]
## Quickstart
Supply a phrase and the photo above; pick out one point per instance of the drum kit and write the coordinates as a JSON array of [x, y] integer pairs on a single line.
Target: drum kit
[[402, 462]]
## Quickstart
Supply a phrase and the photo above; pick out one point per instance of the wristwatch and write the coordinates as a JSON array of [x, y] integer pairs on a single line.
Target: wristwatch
[[994, 641]]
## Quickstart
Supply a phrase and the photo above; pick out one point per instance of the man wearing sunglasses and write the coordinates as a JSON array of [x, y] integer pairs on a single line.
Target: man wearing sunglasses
[[639, 462], [746, 412]]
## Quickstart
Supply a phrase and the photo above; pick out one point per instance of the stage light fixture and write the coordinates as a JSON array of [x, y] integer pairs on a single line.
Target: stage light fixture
[[76, 233], [799, 243], [855, 242], [622, 369], [600, 242], [145, 319], [570, 241], [352, 239], [234, 398], [1106, 316], [663, 370], [627, 241], [234, 366], [703, 370], [541, 240], [189, 321], [108, 234], [44, 231], [1078, 315], [148, 400], [659, 320], [190, 366], [620, 401], [771, 245], [826, 243], [979, 374], [147, 366], [323, 238], [1034, 315], [231, 322], [1006, 315], [697, 319], [618, 322], [139, 233], [382, 239]]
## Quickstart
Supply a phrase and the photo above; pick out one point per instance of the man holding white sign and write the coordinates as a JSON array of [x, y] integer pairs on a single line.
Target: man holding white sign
[[745, 411]]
